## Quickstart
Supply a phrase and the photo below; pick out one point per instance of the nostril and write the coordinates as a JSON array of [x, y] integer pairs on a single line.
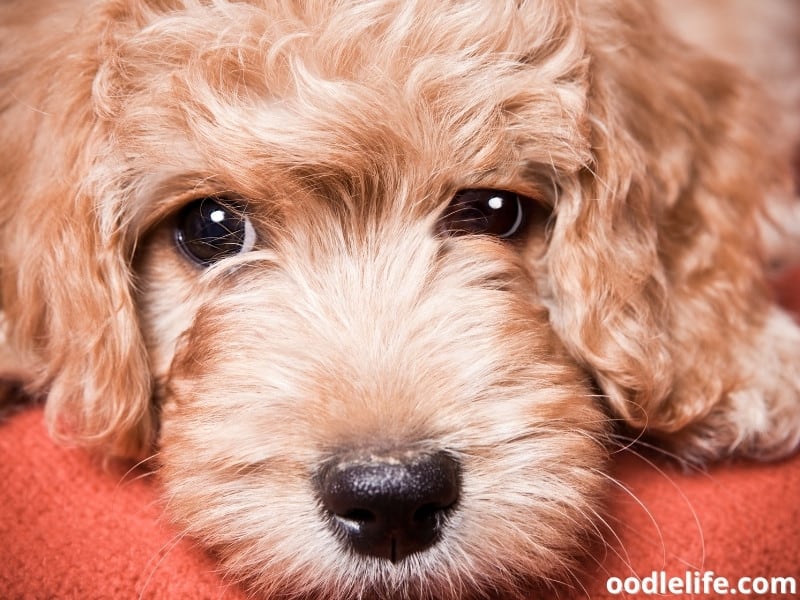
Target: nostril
[[426, 512], [390, 506], [359, 515]]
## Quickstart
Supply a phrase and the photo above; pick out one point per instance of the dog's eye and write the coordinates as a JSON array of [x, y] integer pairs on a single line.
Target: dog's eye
[[485, 211], [212, 228]]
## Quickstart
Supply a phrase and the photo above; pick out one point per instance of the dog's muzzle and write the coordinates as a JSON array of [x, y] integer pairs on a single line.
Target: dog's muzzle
[[389, 505]]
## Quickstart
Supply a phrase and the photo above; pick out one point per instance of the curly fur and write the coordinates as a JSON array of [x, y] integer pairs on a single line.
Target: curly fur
[[347, 126]]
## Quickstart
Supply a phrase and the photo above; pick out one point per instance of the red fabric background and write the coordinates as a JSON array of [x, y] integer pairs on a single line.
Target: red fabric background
[[69, 529]]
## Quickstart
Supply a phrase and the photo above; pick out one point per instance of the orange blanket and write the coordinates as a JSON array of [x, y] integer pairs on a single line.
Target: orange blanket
[[69, 529]]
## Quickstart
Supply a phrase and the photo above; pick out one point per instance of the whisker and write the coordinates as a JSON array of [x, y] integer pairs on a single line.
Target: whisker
[[162, 554], [616, 482]]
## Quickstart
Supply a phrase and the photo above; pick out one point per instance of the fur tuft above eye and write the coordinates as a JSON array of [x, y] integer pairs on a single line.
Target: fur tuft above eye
[[212, 228], [498, 213]]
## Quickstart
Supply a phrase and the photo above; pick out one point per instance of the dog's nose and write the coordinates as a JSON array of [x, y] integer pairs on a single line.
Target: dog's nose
[[392, 505]]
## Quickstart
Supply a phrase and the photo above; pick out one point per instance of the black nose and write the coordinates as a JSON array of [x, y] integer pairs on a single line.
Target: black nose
[[392, 505]]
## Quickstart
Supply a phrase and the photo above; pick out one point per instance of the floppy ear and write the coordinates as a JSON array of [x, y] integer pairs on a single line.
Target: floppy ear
[[655, 260], [66, 283]]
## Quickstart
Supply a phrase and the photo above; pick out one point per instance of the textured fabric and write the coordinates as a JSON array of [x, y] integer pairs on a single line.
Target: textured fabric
[[70, 528]]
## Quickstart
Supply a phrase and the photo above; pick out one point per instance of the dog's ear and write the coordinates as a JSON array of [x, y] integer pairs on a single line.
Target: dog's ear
[[67, 300], [655, 261], [66, 283]]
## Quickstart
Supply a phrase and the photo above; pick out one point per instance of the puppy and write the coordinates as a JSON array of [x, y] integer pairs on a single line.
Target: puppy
[[380, 281]]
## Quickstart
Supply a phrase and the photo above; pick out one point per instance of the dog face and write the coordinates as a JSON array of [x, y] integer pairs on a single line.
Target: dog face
[[359, 268], [366, 316]]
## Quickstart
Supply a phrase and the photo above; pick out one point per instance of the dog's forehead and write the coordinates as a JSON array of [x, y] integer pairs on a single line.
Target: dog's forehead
[[261, 94]]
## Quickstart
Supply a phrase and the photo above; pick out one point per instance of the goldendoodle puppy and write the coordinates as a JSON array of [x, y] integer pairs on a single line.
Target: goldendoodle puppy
[[377, 280]]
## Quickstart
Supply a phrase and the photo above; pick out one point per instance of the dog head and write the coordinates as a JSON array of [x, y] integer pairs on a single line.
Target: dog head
[[359, 268]]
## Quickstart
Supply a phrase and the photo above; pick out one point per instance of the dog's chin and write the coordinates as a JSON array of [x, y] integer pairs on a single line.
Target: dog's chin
[[416, 580]]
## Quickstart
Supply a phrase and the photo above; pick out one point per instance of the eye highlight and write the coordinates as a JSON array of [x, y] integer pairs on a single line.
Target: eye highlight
[[212, 228], [499, 213]]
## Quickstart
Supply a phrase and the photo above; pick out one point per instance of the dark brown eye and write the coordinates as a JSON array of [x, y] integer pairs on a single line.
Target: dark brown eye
[[210, 229], [486, 211]]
